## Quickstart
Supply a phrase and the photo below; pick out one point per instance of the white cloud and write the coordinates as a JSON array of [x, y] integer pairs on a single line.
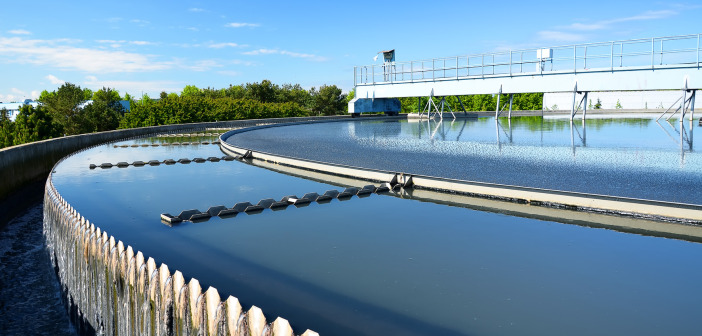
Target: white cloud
[[19, 32], [605, 24], [118, 43], [560, 36], [35, 94], [196, 10], [54, 80], [140, 23], [8, 98], [224, 45], [203, 65], [312, 57], [229, 73], [242, 25], [56, 54], [17, 91]]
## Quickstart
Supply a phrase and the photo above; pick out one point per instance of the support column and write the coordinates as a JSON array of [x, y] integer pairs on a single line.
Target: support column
[[572, 107], [585, 107], [509, 114], [497, 106], [462, 107], [692, 105], [683, 104]]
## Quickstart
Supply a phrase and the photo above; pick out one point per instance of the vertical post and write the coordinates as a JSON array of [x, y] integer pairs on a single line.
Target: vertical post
[[572, 107], [354, 76], [482, 65], [653, 52], [456, 67], [698, 50], [661, 51], [468, 66], [585, 108], [692, 105], [509, 114], [611, 57], [585, 59], [419, 105], [575, 59], [621, 54], [433, 69], [682, 105], [497, 106], [521, 61], [510, 63], [373, 73], [412, 71]]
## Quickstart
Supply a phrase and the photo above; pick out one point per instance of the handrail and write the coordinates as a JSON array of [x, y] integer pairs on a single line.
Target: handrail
[[683, 50]]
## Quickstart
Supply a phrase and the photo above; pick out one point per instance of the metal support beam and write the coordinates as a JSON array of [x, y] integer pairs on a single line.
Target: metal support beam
[[509, 114], [462, 107], [572, 106], [497, 106], [682, 105], [692, 105], [584, 110]]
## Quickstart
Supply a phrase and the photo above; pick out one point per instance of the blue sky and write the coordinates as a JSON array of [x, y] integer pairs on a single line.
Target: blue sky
[[153, 46]]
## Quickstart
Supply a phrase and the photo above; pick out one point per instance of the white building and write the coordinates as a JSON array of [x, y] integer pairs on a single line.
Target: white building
[[13, 108]]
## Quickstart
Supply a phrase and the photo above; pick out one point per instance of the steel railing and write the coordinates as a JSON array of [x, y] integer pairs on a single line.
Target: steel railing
[[649, 53]]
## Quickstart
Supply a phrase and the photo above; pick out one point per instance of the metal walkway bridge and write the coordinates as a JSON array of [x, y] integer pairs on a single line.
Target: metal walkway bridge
[[659, 63]]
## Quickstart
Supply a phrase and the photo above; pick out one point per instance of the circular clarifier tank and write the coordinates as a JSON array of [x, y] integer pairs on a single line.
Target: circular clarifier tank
[[388, 265]]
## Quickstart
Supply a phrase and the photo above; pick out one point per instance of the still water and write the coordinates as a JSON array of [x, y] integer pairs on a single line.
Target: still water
[[388, 266], [632, 157]]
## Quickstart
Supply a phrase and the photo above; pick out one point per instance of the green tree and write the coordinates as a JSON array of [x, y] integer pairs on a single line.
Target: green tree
[[34, 124], [103, 113], [64, 106], [328, 101], [190, 91], [264, 92], [7, 129], [106, 95]]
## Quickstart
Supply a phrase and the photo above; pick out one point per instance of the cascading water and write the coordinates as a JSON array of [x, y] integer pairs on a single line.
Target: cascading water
[[110, 290]]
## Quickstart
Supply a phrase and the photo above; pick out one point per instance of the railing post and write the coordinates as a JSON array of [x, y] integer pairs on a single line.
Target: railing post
[[482, 65], [653, 52], [575, 59], [373, 73], [412, 71], [456, 67], [433, 70], [585, 59], [698, 50], [621, 54], [611, 57], [354, 76], [510, 63]]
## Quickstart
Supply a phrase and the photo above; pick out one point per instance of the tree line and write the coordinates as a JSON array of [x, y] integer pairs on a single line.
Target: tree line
[[65, 112], [481, 102]]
